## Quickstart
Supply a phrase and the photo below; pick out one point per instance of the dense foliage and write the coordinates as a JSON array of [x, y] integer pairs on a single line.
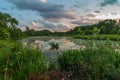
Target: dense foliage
[[8, 29], [101, 63], [103, 27], [18, 62], [93, 62]]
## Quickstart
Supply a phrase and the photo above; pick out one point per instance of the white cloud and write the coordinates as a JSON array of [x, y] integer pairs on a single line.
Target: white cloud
[[109, 16], [44, 1]]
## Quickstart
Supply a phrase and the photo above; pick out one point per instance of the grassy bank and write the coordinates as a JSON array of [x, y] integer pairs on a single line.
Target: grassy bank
[[91, 64], [98, 37], [100, 62], [18, 62]]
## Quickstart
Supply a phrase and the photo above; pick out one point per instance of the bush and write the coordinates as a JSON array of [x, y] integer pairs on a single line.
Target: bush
[[18, 62], [91, 64], [54, 45]]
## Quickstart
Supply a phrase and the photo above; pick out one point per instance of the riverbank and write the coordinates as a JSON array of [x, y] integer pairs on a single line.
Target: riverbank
[[98, 37], [95, 61]]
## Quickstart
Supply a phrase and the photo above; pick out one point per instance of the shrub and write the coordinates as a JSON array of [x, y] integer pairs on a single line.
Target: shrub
[[54, 45], [18, 62], [91, 64]]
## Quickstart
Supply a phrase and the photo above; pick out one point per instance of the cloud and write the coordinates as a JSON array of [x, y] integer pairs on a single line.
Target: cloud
[[85, 21], [58, 14], [97, 11], [108, 2], [46, 10], [108, 16], [113, 13], [46, 25], [90, 15], [44, 1], [35, 5], [4, 9]]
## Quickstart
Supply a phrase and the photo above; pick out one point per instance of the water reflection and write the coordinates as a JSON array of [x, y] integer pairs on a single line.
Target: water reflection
[[63, 43]]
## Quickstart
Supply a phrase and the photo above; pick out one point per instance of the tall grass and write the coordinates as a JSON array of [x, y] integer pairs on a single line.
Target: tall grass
[[101, 63], [94, 62], [17, 62]]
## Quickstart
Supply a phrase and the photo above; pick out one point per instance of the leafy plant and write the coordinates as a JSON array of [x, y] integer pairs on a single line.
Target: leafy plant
[[18, 62], [101, 63], [54, 45]]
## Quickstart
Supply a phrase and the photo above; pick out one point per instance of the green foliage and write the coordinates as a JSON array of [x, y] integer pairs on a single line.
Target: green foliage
[[17, 62], [96, 31], [7, 21], [101, 63], [98, 37], [54, 45], [4, 33], [8, 28], [103, 27], [32, 32]]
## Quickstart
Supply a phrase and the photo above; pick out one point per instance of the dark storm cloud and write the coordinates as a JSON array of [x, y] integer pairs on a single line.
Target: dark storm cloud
[[35, 5], [46, 10], [58, 14], [109, 2]]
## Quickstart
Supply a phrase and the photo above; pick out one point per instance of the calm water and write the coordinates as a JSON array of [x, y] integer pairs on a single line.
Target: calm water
[[65, 43], [43, 43]]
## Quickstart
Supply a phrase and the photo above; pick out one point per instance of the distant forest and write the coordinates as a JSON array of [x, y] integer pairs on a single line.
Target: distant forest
[[103, 27], [8, 29]]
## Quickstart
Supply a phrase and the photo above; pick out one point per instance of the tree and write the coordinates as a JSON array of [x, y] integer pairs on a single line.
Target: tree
[[79, 31], [8, 29], [96, 31], [7, 21]]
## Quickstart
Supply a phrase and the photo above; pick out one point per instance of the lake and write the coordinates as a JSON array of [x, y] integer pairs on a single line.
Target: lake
[[43, 43]]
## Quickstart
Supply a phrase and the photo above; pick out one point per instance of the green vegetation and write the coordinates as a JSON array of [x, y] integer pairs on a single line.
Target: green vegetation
[[54, 45], [103, 27], [101, 63], [98, 37], [17, 62], [8, 29], [107, 29], [96, 61]]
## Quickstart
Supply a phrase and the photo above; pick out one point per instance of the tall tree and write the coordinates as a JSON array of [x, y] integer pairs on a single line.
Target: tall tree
[[8, 29], [7, 21]]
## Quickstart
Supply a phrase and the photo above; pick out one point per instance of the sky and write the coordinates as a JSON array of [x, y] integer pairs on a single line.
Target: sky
[[60, 15]]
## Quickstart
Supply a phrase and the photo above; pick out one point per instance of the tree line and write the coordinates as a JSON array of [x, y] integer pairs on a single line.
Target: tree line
[[103, 27], [8, 29]]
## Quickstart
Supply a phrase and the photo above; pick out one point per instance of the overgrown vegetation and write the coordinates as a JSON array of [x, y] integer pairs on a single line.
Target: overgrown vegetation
[[17, 62], [8, 29], [101, 63], [94, 62]]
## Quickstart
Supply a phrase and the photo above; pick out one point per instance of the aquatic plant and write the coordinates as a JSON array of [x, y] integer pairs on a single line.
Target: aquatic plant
[[54, 45]]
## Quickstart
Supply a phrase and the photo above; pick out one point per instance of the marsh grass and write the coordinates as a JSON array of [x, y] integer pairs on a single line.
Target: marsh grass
[[18, 62], [100, 63], [97, 61]]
